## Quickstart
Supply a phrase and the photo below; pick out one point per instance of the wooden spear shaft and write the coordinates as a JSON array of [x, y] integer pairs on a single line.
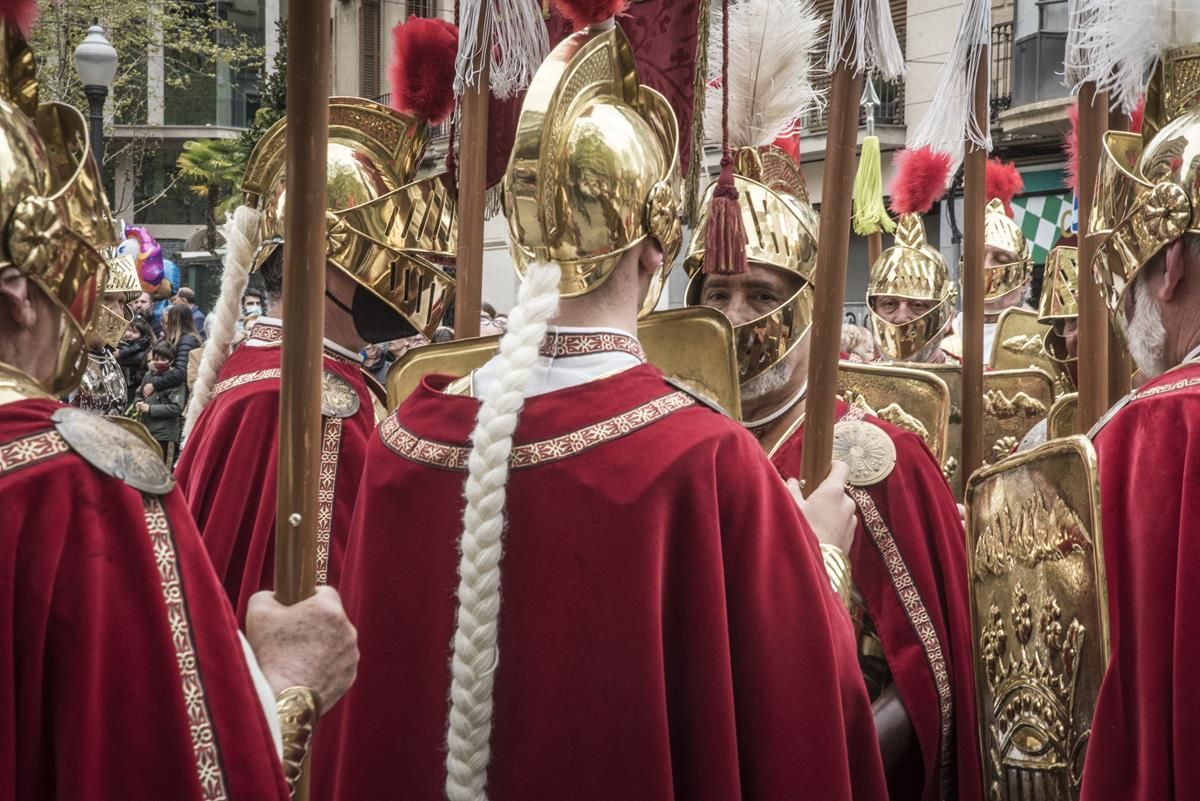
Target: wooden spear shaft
[[1093, 315], [874, 247], [304, 303], [1120, 366], [303, 309], [472, 195], [833, 250], [974, 202]]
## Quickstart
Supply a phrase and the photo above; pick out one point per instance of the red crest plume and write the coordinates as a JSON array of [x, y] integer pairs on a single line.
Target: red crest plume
[[1138, 116], [1003, 182], [582, 13], [920, 180], [22, 13], [422, 68], [1071, 147]]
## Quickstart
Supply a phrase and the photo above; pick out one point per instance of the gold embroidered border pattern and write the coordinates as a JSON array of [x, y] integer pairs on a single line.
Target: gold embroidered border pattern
[[204, 739], [1159, 390], [918, 616], [331, 442], [273, 335], [245, 378], [454, 457], [557, 346], [26, 451]]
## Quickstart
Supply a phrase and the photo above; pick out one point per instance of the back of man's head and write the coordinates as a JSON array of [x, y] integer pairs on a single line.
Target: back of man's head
[[186, 294]]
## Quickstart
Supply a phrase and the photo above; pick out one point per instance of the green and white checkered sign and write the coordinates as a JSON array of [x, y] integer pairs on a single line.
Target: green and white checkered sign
[[1043, 218]]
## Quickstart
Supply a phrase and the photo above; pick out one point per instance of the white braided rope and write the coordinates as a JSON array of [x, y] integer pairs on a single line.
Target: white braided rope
[[241, 233], [468, 735]]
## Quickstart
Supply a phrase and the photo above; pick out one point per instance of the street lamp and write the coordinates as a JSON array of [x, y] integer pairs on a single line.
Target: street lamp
[[96, 62]]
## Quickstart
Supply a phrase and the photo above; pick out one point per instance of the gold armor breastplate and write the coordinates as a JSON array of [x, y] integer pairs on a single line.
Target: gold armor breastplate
[[103, 387]]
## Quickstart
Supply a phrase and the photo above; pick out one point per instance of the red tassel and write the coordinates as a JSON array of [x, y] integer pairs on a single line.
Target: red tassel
[[725, 234]]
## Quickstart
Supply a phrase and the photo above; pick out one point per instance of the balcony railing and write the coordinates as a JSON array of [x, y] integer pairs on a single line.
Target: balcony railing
[[1002, 48], [890, 111]]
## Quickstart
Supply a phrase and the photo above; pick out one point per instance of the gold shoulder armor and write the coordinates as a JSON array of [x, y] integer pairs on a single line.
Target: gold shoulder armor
[[114, 450]]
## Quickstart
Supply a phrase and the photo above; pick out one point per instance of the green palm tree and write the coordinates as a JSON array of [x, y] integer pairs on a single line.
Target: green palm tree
[[215, 166]]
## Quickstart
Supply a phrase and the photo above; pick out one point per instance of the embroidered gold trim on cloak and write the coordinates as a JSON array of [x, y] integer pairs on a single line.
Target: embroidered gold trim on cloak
[[29, 450], [331, 444], [918, 616], [454, 457], [209, 771], [245, 378]]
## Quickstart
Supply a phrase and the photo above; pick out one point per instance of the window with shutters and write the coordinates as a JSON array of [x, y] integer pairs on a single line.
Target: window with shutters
[[369, 48], [421, 8], [891, 93]]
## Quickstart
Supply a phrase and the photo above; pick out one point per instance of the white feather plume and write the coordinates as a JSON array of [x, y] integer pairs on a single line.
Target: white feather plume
[[1116, 43], [771, 48], [950, 121], [866, 26]]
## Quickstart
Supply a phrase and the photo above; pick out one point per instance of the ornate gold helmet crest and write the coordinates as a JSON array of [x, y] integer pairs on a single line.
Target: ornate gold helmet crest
[[781, 234], [1147, 191], [1059, 301], [594, 169], [391, 234], [53, 212], [913, 270], [121, 286]]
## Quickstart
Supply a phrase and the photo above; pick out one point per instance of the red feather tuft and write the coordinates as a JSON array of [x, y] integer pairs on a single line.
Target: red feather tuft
[[1071, 147], [422, 68], [1003, 181], [583, 13], [1138, 116], [22, 13], [920, 180]]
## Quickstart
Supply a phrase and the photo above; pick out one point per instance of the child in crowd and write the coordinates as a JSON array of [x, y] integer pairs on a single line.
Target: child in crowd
[[162, 410]]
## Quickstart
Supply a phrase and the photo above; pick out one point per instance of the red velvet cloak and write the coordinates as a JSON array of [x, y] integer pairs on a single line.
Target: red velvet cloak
[[1145, 740], [228, 471], [910, 565], [119, 650], [666, 630]]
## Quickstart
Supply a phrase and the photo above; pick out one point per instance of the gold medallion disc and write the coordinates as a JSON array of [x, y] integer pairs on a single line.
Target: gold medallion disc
[[868, 451]]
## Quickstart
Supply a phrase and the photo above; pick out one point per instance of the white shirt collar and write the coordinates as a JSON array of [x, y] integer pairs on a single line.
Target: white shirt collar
[[549, 374]]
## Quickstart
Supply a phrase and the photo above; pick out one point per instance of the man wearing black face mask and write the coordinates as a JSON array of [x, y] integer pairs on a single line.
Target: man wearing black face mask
[[375, 290]]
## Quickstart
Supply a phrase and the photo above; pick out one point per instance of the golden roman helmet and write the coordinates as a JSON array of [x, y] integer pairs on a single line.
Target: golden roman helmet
[[914, 270], [781, 234], [392, 235], [1001, 232], [121, 286], [1146, 193], [53, 212], [594, 169], [1059, 300]]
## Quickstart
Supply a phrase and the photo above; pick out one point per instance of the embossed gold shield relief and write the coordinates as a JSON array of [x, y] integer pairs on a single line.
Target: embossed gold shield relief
[[692, 346], [1014, 401], [1020, 343], [1039, 617], [951, 461], [914, 400]]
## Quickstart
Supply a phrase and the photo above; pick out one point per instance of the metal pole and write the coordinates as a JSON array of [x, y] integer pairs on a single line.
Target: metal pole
[[95, 97], [974, 201]]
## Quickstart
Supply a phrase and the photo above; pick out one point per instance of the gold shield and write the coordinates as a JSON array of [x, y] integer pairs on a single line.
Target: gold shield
[[1039, 617], [1014, 401], [1061, 421], [1018, 341], [915, 400], [692, 346]]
